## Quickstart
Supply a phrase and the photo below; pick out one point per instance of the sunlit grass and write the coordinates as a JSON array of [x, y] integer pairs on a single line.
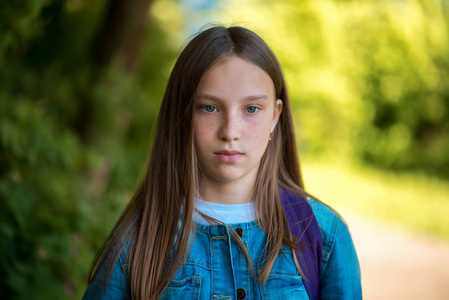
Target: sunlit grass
[[412, 201]]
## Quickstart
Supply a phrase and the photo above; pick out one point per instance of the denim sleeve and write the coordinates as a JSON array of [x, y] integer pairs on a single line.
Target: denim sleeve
[[340, 275], [340, 270], [117, 287]]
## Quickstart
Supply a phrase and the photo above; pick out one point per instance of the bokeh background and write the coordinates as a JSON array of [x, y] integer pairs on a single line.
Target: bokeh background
[[81, 82]]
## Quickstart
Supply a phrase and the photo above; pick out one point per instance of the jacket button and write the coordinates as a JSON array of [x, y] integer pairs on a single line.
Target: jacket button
[[239, 231], [241, 293]]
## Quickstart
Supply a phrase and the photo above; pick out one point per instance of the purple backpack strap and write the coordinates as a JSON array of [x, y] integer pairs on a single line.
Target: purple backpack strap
[[303, 225]]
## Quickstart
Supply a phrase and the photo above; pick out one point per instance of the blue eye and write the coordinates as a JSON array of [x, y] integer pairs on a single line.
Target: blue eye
[[252, 109], [209, 108]]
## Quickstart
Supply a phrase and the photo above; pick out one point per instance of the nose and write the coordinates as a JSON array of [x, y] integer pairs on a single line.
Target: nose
[[230, 128]]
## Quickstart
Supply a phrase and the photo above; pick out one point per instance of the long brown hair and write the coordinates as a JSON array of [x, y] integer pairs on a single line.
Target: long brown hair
[[158, 219]]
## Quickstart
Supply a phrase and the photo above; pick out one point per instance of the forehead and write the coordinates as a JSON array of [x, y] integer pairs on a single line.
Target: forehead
[[235, 77]]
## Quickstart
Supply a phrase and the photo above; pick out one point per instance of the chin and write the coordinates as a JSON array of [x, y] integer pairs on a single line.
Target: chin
[[225, 178]]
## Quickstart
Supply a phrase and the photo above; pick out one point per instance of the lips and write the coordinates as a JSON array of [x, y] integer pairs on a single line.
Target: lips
[[228, 156]]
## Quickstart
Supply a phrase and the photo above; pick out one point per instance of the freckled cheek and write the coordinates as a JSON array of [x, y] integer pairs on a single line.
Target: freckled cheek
[[203, 128], [258, 132]]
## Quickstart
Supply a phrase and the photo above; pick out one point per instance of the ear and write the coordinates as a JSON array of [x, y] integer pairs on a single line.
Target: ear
[[277, 113]]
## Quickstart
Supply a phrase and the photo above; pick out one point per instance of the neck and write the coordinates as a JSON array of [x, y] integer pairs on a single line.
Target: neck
[[215, 191]]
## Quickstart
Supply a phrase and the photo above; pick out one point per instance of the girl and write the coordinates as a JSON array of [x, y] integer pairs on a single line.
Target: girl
[[222, 212]]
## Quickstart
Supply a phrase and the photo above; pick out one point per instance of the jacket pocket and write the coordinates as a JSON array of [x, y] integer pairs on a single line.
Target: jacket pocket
[[284, 286], [187, 288], [284, 282]]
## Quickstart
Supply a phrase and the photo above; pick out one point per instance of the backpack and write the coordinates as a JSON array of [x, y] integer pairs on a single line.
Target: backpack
[[303, 225]]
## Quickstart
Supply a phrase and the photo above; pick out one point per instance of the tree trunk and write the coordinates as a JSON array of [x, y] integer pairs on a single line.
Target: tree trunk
[[120, 36], [121, 33]]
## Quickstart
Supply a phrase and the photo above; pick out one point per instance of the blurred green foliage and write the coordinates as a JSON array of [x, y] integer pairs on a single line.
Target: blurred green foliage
[[60, 196], [369, 82]]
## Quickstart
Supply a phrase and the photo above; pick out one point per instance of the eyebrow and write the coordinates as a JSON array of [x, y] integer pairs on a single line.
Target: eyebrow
[[249, 98]]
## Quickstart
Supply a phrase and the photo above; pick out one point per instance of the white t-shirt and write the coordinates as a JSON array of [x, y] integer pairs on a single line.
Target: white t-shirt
[[226, 213]]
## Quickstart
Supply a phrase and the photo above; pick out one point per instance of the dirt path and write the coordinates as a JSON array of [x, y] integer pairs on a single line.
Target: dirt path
[[399, 265]]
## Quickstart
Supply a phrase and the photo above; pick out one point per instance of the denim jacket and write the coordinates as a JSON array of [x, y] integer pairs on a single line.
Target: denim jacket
[[216, 268]]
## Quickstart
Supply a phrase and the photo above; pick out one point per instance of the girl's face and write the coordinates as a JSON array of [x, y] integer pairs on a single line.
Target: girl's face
[[235, 113]]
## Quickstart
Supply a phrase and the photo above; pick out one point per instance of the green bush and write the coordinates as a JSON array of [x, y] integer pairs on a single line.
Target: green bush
[[368, 79], [60, 192]]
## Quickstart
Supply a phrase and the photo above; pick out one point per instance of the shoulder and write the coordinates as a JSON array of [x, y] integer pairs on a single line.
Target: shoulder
[[124, 257], [117, 286], [329, 220], [323, 211]]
